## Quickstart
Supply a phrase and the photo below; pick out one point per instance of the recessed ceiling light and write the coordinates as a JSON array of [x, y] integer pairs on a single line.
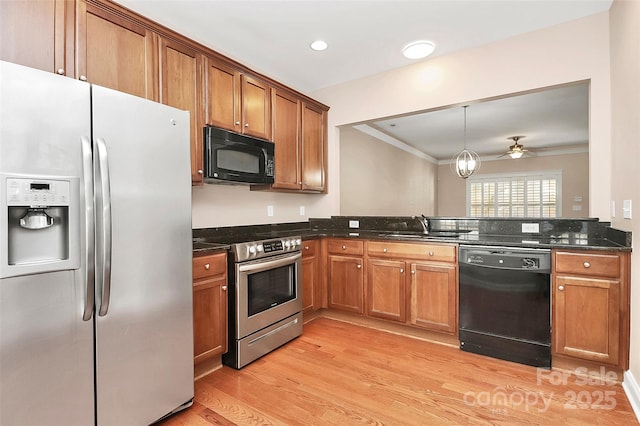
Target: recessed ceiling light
[[418, 49], [319, 45]]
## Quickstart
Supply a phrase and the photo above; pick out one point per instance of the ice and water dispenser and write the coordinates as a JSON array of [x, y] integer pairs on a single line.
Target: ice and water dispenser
[[41, 224]]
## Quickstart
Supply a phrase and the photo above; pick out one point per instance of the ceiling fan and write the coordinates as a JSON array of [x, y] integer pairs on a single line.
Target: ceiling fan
[[516, 150]]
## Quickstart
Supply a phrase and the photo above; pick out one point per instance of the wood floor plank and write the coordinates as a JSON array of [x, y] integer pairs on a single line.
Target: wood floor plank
[[339, 373]]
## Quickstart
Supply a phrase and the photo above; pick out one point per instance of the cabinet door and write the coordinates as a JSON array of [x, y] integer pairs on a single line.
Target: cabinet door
[[346, 283], [434, 297], [309, 273], [115, 52], [180, 74], [595, 336], [313, 149], [286, 119], [223, 95], [38, 34], [386, 295], [256, 108], [209, 318]]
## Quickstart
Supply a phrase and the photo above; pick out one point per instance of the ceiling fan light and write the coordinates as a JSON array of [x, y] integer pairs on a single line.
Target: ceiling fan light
[[516, 155], [418, 49]]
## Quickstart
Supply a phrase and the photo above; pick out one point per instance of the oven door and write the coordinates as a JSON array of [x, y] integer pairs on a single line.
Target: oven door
[[267, 290]]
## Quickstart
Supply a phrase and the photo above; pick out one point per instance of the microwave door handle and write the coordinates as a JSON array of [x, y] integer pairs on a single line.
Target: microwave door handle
[[89, 231], [104, 249], [268, 264]]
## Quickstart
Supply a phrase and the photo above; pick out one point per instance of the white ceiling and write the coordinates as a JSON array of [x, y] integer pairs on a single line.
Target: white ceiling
[[365, 37]]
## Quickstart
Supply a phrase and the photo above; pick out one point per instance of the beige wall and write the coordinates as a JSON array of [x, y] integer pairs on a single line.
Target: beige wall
[[451, 199], [625, 113], [381, 180], [542, 58]]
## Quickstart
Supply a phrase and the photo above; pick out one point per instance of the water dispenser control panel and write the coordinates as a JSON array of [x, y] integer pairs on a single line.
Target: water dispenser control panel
[[37, 192]]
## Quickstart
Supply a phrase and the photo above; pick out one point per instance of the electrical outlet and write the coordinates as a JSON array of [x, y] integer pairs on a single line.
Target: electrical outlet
[[613, 208], [530, 228], [269, 210], [354, 224], [301, 210]]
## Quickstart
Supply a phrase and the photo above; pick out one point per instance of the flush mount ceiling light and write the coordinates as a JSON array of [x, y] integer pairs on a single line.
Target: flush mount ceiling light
[[319, 45], [466, 162], [418, 49]]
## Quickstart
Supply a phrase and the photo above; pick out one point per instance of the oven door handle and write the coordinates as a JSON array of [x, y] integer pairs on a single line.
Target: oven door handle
[[269, 263]]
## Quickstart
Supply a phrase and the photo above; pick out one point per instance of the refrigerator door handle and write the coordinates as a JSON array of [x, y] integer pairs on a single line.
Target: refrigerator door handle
[[90, 239], [104, 227]]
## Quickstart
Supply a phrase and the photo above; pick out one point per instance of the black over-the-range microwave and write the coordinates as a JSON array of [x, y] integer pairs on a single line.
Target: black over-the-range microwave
[[230, 157]]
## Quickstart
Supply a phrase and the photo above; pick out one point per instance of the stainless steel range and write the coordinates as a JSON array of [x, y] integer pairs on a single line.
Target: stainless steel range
[[265, 298]]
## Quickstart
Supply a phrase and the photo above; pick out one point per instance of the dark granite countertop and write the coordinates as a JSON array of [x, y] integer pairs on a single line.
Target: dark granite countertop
[[581, 234]]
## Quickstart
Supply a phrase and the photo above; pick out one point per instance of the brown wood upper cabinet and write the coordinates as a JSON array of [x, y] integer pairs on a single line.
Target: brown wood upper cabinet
[[597, 283], [181, 87], [236, 101], [300, 138], [38, 34], [115, 51]]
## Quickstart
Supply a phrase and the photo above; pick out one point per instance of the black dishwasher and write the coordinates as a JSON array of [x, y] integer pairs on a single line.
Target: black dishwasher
[[505, 303]]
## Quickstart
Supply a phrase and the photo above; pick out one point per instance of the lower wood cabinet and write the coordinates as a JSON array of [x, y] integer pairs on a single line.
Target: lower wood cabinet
[[386, 289], [434, 297], [346, 275], [591, 306], [209, 306], [310, 281]]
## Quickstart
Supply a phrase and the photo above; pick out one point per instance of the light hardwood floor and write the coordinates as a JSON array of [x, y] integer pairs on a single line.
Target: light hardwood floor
[[338, 373]]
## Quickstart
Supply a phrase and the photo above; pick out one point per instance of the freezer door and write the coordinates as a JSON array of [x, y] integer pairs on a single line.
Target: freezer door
[[144, 331], [46, 349]]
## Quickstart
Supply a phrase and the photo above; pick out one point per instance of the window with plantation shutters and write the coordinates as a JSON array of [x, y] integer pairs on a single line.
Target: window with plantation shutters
[[509, 195]]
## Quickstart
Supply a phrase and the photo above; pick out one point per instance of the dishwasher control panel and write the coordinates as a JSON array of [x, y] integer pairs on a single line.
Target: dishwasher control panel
[[506, 258]]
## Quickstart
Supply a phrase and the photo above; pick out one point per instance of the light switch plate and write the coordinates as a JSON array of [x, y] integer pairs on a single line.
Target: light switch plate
[[530, 228], [626, 209], [301, 210], [354, 224], [269, 210]]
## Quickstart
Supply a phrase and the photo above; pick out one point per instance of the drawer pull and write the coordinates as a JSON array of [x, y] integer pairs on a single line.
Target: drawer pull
[[413, 272], [224, 288], [384, 250], [431, 253], [560, 287], [306, 247], [207, 266], [359, 266], [344, 247], [586, 264], [401, 270]]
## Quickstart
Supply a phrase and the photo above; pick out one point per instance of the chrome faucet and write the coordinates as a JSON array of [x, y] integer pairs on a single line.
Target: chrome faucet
[[424, 222]]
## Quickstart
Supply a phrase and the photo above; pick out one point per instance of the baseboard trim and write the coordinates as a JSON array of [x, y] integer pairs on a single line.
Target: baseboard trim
[[631, 388]]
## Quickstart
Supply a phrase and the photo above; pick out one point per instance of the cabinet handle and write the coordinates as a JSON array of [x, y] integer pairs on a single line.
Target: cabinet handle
[[224, 288], [246, 124], [200, 172], [560, 287], [83, 78], [60, 71], [430, 253], [384, 250], [413, 272], [586, 264], [306, 247], [359, 266], [344, 247], [207, 266], [401, 271]]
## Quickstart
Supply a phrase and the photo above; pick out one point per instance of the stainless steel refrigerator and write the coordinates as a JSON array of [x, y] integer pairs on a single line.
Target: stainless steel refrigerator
[[95, 254]]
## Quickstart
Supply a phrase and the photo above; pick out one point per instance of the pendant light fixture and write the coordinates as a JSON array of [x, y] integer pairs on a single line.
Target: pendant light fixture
[[466, 162]]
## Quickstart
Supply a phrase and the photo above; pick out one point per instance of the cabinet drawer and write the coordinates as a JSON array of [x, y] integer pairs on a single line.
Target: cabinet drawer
[[435, 252], [602, 265], [345, 247], [309, 247], [210, 265]]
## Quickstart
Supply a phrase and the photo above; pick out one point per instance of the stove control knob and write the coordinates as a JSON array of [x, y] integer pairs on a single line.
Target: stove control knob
[[252, 249], [260, 248], [287, 243], [298, 242]]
